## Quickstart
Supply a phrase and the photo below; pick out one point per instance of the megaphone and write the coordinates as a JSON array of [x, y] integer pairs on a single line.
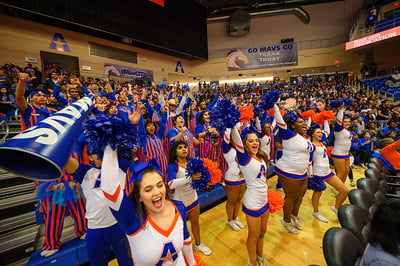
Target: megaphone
[[42, 151]]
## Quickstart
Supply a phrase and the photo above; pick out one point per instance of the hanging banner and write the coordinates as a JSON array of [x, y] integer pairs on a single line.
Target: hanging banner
[[275, 55], [58, 43], [127, 72]]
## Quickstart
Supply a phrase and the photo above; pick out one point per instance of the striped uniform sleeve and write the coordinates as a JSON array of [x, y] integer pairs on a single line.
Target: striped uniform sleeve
[[339, 120], [123, 209], [173, 182], [242, 157]]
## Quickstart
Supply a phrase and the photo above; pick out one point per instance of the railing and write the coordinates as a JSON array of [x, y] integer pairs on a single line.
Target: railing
[[378, 93], [4, 127]]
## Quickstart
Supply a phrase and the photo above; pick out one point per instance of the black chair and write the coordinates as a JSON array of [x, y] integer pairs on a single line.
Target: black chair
[[391, 190], [341, 247], [353, 218], [363, 200]]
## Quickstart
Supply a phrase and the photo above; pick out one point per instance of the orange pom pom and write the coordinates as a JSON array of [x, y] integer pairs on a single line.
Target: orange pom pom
[[321, 117], [275, 201], [329, 150], [213, 169], [246, 112], [307, 114], [271, 112]]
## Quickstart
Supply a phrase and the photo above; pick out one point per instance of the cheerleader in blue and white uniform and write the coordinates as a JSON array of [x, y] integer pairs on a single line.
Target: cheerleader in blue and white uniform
[[155, 226], [342, 144], [292, 167], [234, 183], [321, 170], [253, 164], [177, 161]]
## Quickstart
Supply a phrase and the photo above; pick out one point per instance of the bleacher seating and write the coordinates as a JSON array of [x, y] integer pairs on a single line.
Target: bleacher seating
[[379, 84], [388, 23]]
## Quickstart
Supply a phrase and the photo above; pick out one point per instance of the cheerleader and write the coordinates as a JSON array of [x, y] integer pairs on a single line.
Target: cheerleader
[[104, 233], [208, 136], [178, 159], [253, 164], [292, 167], [151, 142], [155, 226], [321, 170], [342, 144], [181, 133], [234, 183]]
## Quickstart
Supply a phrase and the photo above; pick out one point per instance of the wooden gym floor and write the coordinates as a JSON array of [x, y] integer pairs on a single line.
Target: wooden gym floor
[[280, 247]]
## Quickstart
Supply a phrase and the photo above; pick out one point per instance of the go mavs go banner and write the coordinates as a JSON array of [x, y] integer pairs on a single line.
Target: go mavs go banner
[[127, 72], [275, 55]]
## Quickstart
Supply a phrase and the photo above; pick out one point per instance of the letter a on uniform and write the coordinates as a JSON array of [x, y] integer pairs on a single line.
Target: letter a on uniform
[[179, 67], [58, 43]]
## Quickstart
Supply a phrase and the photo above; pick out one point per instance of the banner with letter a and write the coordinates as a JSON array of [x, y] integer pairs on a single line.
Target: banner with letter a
[[263, 56]]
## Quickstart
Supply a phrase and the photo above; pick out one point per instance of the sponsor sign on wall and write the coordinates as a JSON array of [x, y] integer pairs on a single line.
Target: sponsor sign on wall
[[263, 56]]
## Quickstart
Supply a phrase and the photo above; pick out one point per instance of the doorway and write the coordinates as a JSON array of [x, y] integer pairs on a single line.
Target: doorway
[[63, 64]]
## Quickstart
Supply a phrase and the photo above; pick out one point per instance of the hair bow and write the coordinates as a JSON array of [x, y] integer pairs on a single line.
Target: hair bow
[[315, 126], [293, 117], [138, 169]]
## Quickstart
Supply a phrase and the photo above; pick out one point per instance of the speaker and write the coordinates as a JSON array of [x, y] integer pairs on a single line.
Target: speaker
[[239, 24], [287, 40]]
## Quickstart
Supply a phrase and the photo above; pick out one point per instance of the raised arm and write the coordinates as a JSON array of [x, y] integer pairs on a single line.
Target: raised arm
[[20, 91]]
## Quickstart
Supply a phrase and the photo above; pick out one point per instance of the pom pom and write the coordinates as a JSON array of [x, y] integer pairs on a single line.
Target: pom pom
[[324, 115], [257, 111], [334, 104], [316, 184], [307, 114], [269, 99], [160, 85], [224, 115], [186, 87], [275, 201], [347, 102], [246, 112], [271, 112], [114, 130], [213, 169], [196, 165]]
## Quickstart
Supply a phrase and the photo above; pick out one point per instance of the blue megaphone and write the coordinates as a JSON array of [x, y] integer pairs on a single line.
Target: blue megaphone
[[42, 151]]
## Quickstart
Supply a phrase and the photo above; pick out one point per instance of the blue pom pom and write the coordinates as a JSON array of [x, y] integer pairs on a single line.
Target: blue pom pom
[[224, 115], [160, 85], [335, 103], [196, 165], [257, 111], [293, 116], [114, 130], [316, 184], [347, 102], [186, 87], [269, 99]]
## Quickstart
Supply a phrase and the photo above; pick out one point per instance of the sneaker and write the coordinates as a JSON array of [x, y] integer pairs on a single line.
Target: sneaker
[[260, 261], [335, 191], [249, 263], [48, 253], [238, 223], [83, 237], [353, 166], [334, 210], [363, 165], [233, 225], [203, 248], [320, 217], [289, 227], [352, 183], [296, 222], [280, 189]]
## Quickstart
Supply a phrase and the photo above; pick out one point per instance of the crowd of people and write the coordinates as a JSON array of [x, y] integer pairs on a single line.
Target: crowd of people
[[173, 125]]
